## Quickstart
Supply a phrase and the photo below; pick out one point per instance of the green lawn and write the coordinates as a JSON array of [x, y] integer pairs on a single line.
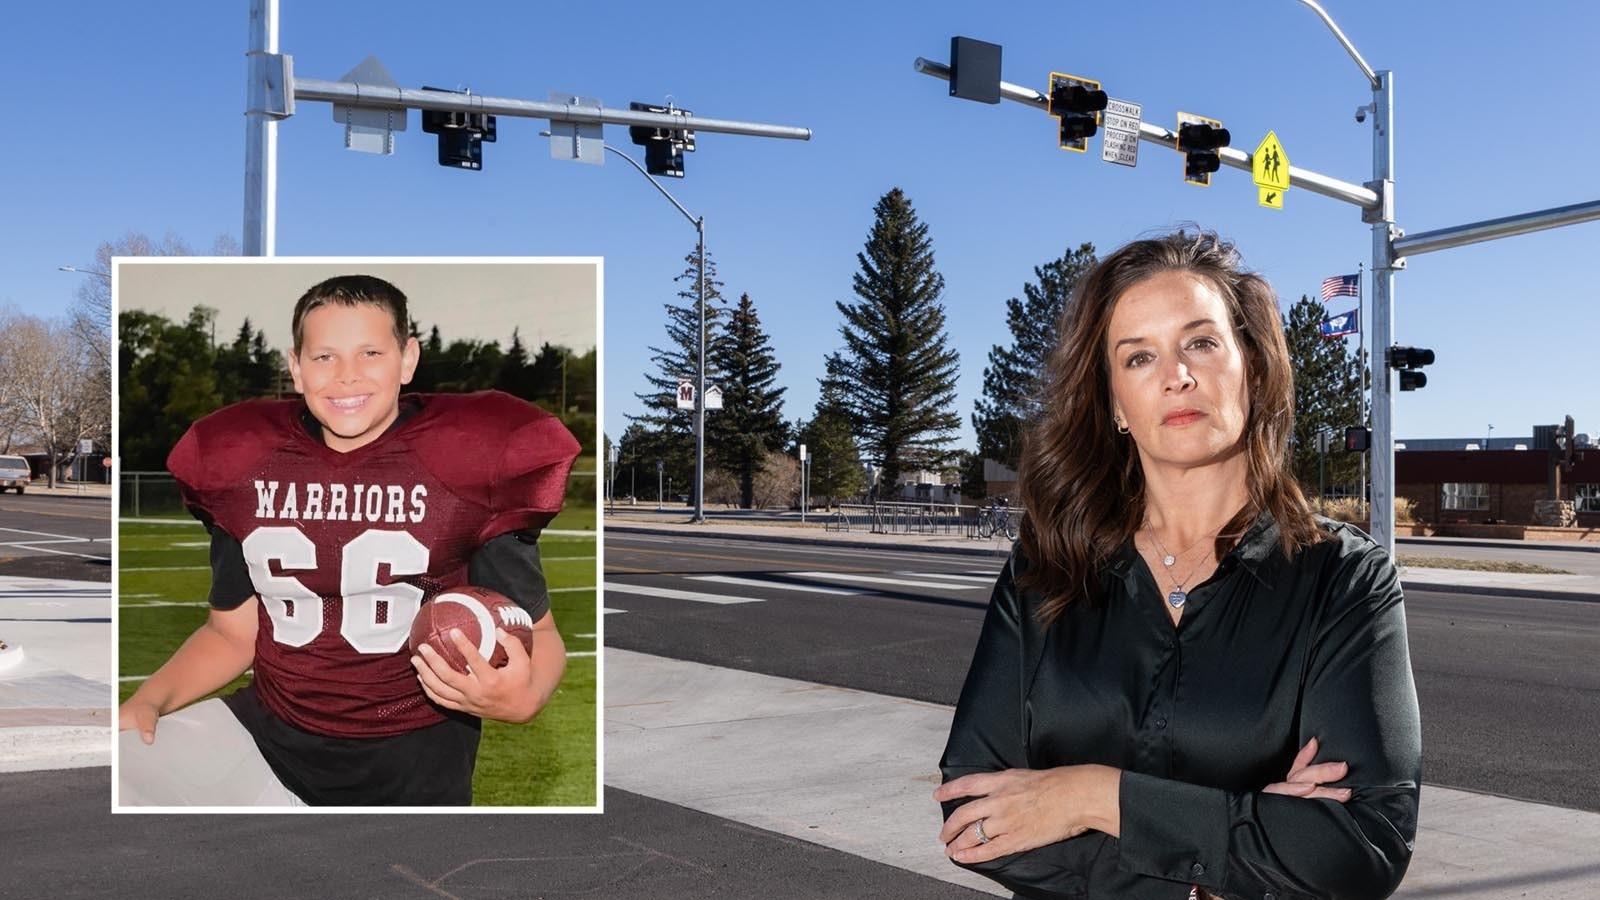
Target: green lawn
[[164, 577]]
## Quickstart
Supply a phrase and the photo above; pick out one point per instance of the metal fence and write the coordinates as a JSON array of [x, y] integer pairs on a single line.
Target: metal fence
[[915, 518]]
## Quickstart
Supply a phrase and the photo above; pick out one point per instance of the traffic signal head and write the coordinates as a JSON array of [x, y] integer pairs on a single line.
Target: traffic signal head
[[1077, 102], [663, 147], [1407, 360], [1199, 142], [461, 134]]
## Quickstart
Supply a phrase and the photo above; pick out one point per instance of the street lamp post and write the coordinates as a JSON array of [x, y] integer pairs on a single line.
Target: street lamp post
[[105, 275], [699, 223]]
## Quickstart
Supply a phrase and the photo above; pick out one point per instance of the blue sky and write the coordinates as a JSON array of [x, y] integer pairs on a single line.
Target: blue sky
[[127, 117]]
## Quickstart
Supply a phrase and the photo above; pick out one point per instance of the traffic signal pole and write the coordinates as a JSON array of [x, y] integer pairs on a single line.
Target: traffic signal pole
[[271, 90], [1390, 246]]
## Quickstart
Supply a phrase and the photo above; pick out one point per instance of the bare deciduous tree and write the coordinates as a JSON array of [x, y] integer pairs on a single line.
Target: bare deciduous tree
[[52, 378]]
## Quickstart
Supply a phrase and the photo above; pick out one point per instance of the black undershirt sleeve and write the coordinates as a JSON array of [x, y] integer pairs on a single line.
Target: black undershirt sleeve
[[510, 564], [230, 575]]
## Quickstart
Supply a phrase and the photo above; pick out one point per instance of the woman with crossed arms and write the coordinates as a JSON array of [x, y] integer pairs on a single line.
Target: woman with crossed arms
[[1187, 684]]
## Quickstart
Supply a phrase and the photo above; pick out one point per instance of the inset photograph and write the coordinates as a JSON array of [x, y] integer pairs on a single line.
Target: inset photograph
[[356, 559]]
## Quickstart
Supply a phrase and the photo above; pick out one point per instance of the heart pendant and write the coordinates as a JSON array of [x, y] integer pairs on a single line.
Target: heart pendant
[[1177, 598]]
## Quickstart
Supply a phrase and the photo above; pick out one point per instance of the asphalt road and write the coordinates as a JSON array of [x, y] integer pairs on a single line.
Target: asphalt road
[[1509, 687], [55, 536], [640, 848]]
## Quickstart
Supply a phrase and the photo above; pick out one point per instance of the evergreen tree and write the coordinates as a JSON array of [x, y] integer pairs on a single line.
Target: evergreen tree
[[679, 356], [1010, 378], [836, 471], [896, 377], [750, 423], [1327, 396], [515, 376]]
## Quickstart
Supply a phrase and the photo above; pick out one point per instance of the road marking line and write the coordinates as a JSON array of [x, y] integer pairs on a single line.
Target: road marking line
[[682, 554], [20, 546], [780, 585], [975, 579], [48, 534], [670, 594], [608, 611], [870, 579]]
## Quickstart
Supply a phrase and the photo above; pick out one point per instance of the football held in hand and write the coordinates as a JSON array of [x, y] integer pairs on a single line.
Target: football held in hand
[[477, 612]]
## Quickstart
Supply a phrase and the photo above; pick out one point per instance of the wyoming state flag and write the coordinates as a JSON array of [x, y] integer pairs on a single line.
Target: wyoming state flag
[[1340, 325]]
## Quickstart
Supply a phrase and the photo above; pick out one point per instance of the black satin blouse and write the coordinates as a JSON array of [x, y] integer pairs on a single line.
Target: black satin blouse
[[1269, 653]]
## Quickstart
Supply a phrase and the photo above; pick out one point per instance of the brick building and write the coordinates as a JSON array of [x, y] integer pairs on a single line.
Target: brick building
[[1488, 486]]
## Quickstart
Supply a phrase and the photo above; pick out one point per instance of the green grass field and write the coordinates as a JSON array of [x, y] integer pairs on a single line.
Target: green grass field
[[164, 577]]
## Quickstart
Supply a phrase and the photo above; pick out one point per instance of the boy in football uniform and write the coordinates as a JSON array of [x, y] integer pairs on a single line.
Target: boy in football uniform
[[332, 519]]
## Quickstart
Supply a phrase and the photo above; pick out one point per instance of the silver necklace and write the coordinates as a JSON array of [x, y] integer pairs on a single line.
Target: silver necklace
[[1180, 595], [1167, 559]]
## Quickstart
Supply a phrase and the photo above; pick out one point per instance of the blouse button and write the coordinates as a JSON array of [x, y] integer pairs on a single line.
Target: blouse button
[[1161, 722], [1269, 896], [1197, 870]]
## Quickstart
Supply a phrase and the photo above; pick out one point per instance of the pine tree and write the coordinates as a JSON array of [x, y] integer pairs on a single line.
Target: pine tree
[[679, 356], [896, 377], [835, 462], [750, 423], [1010, 379], [1327, 396], [516, 374]]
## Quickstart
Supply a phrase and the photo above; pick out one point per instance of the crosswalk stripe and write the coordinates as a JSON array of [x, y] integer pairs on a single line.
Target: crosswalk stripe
[[948, 576], [778, 585], [616, 587], [874, 579]]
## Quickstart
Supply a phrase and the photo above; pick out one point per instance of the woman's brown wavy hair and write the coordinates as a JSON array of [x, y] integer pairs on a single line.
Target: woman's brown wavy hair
[[1080, 479]]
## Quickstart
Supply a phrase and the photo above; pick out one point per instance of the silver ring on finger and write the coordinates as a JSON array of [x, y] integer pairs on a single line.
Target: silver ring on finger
[[978, 827]]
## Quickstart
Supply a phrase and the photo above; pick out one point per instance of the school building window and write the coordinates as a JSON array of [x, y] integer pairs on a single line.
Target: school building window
[[1588, 497], [1466, 495]]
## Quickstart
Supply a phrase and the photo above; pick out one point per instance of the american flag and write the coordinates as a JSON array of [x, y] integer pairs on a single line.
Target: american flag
[[1341, 286]]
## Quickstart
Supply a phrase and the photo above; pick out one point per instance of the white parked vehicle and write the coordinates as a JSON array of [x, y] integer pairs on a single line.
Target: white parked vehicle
[[14, 473]]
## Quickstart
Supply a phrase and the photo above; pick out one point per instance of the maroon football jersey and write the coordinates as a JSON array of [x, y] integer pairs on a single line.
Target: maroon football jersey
[[344, 547]]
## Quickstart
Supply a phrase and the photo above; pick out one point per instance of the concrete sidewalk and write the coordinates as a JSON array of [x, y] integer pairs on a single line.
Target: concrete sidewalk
[[1565, 587], [56, 684], [855, 771]]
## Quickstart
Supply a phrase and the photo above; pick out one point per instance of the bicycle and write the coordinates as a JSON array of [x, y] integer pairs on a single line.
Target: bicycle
[[997, 520]]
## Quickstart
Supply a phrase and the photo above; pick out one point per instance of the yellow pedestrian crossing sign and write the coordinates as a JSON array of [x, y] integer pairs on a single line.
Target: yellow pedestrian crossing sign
[[1269, 169]]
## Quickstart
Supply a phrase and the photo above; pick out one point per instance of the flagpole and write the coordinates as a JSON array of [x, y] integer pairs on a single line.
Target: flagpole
[[1361, 361]]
